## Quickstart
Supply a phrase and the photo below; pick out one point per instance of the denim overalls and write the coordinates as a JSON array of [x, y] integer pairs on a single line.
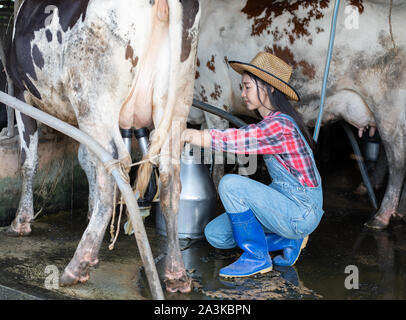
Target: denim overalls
[[285, 207]]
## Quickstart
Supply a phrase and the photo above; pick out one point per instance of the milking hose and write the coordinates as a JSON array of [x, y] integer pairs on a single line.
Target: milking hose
[[360, 162], [218, 112], [125, 188]]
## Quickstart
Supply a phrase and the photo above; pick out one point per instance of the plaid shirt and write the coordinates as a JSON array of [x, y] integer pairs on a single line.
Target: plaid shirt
[[273, 135]]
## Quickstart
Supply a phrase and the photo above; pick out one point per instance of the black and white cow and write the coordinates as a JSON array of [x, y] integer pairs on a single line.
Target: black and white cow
[[102, 65], [367, 81]]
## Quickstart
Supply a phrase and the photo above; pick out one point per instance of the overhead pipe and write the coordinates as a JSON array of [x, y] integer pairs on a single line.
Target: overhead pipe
[[327, 70], [125, 188]]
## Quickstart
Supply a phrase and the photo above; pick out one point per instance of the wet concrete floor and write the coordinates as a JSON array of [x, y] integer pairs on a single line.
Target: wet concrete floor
[[342, 260]]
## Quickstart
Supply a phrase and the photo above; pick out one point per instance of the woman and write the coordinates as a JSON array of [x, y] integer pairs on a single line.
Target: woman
[[261, 218]]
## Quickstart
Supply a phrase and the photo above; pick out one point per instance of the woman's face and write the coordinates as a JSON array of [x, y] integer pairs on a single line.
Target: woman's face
[[250, 93]]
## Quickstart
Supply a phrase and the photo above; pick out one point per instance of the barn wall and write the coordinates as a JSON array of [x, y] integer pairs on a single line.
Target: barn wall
[[60, 183]]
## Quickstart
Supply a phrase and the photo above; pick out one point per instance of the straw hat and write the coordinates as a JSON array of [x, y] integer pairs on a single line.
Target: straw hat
[[271, 69]]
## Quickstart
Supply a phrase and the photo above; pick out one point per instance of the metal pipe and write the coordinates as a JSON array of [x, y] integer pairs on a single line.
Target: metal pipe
[[326, 70], [125, 188]]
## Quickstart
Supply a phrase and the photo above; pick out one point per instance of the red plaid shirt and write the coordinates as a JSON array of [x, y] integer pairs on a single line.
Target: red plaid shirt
[[273, 135]]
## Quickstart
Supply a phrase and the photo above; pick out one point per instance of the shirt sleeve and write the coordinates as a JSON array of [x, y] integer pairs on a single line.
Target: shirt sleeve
[[265, 137]]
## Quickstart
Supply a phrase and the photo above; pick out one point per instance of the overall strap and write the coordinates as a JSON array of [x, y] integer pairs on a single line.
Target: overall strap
[[298, 130], [305, 142]]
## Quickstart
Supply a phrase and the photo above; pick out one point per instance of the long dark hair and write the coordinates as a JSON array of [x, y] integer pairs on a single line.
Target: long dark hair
[[280, 103]]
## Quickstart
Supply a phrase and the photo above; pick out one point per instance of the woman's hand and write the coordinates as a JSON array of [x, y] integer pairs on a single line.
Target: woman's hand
[[200, 138]]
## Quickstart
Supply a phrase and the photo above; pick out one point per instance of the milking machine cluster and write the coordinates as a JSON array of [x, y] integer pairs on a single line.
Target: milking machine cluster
[[150, 194]]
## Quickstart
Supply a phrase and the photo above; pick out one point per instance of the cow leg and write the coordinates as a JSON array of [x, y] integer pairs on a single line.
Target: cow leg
[[28, 135], [395, 152], [176, 278], [101, 187], [377, 175], [401, 211], [86, 254], [90, 169], [380, 170]]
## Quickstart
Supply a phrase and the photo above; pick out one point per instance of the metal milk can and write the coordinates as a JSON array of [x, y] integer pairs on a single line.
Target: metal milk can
[[198, 199]]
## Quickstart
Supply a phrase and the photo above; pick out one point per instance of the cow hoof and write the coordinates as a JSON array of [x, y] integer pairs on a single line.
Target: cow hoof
[[376, 224], [80, 273], [21, 230], [69, 279], [183, 285]]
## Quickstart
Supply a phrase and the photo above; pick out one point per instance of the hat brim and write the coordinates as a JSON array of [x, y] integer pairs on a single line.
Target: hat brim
[[269, 78]]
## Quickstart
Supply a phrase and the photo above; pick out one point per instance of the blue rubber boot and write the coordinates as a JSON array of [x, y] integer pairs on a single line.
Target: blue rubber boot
[[276, 242], [291, 251], [250, 237]]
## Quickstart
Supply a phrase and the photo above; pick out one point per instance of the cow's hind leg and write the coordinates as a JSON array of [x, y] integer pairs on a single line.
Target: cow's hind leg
[[28, 135], [401, 211], [89, 168], [176, 278], [101, 187], [395, 152]]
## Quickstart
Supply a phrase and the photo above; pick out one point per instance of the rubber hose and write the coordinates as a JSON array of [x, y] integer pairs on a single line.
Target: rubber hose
[[361, 164]]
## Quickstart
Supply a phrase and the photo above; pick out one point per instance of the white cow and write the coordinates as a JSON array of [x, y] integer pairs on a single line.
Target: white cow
[[367, 81], [106, 64]]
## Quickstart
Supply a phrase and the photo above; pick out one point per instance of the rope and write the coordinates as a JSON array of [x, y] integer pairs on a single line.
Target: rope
[[152, 160], [114, 213], [113, 241], [123, 170]]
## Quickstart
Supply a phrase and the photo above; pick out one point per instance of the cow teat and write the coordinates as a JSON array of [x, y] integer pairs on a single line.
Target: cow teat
[[163, 10]]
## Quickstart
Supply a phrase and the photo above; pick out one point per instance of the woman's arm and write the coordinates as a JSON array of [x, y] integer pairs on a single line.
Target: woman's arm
[[265, 137], [200, 138]]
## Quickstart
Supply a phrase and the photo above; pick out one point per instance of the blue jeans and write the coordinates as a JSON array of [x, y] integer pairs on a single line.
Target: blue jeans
[[289, 211]]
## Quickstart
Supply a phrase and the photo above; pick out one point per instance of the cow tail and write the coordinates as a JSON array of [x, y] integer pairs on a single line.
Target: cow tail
[[163, 130]]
